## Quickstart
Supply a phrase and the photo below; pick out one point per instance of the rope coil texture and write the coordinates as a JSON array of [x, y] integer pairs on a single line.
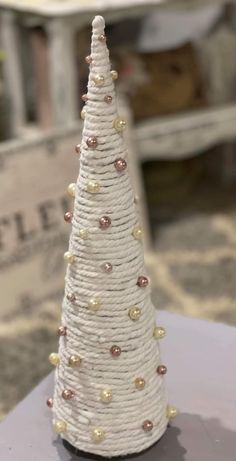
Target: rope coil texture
[[91, 334]]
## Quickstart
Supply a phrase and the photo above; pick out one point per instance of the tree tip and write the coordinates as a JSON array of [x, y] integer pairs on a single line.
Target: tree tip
[[98, 22]]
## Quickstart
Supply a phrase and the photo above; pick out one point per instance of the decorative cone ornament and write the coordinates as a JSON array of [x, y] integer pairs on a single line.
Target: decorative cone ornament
[[109, 398]]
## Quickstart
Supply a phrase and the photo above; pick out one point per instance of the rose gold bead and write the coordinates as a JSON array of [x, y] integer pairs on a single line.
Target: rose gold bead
[[88, 59], [67, 394], [147, 425], [102, 38], [107, 267], [161, 370], [77, 149], [104, 222], [115, 351], [142, 281], [92, 142], [68, 216], [120, 164], [108, 99], [49, 402], [84, 98], [71, 297], [61, 330]]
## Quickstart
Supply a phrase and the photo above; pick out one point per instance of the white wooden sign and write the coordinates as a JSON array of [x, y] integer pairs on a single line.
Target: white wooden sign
[[33, 235]]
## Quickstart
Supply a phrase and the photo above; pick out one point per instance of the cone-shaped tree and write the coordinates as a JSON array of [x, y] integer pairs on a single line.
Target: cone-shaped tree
[[109, 394]]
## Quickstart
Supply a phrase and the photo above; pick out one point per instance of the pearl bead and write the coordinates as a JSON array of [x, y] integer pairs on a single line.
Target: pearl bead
[[137, 233], [108, 99], [60, 426], [98, 435], [120, 165], [49, 402], [94, 304], [71, 189], [102, 38], [159, 332], [88, 59], [134, 313], [161, 370], [99, 80], [71, 297], [78, 149], [84, 98], [115, 351], [104, 222], [119, 124], [69, 257], [114, 74], [54, 359], [67, 394], [61, 331], [171, 412], [93, 187], [147, 425], [107, 267], [68, 216], [82, 114], [142, 281], [106, 395], [74, 361], [92, 142], [83, 233], [136, 199], [139, 383]]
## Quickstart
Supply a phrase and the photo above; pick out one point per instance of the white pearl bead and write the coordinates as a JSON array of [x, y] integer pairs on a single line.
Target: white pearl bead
[[114, 74], [159, 332], [54, 358], [69, 257], [98, 435], [99, 80], [83, 233], [171, 412], [137, 233], [71, 189], [93, 187], [59, 426], [119, 124], [106, 395], [82, 114], [94, 304]]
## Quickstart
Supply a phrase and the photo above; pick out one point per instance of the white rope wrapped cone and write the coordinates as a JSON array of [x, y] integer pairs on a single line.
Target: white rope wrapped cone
[[107, 401]]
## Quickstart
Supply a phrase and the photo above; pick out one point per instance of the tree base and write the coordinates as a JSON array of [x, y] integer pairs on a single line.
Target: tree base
[[92, 457]]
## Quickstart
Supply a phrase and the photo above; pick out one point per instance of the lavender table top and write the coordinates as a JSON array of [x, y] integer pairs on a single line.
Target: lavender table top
[[201, 380]]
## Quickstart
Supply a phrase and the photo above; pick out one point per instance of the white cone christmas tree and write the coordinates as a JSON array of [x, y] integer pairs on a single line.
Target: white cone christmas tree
[[109, 394]]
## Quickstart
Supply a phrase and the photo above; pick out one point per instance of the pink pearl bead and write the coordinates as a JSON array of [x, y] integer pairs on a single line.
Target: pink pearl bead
[[142, 281], [115, 351], [71, 297], [104, 222], [49, 402], [108, 99], [77, 149], [147, 425], [61, 331], [84, 97], [120, 164], [92, 142], [88, 59], [102, 38], [68, 216], [67, 394], [161, 369], [107, 267]]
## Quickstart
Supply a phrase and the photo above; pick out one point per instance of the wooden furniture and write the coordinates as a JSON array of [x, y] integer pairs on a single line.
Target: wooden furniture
[[201, 380]]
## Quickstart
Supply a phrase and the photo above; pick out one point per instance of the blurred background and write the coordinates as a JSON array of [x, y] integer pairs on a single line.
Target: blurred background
[[177, 80]]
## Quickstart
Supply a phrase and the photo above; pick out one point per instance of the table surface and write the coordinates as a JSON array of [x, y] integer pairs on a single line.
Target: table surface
[[201, 380]]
